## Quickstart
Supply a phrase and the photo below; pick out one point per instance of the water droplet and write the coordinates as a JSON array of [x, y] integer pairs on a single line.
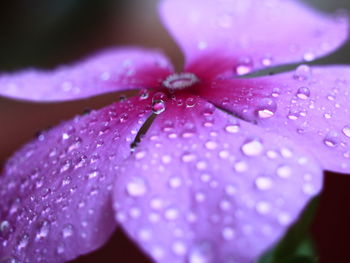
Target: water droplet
[[5, 228], [241, 166], [308, 56], [303, 93], [171, 214], [175, 182], [67, 231], [156, 203], [262, 207], [331, 140], [266, 61], [201, 253], [188, 157], [158, 106], [228, 233], [284, 171], [252, 148], [244, 67], [143, 94], [346, 130], [263, 183], [43, 230], [232, 128], [302, 72], [202, 45], [266, 108], [136, 187], [179, 248], [190, 102], [23, 242], [211, 145]]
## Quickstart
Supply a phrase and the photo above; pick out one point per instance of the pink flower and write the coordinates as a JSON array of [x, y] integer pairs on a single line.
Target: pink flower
[[227, 164]]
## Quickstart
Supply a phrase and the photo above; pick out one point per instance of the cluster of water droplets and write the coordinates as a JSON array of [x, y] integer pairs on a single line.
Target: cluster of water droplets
[[215, 176], [57, 185]]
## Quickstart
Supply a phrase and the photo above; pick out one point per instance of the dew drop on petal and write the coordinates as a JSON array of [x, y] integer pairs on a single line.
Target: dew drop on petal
[[158, 106], [346, 130], [302, 72], [331, 140], [43, 231], [263, 183], [179, 248], [266, 108], [143, 94], [232, 128], [252, 148], [201, 253], [284, 171], [190, 102], [303, 93], [244, 66], [228, 233], [67, 231], [136, 187], [23, 242]]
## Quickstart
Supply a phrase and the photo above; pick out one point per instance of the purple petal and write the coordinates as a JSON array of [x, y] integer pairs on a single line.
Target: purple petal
[[55, 201], [251, 34], [309, 106], [109, 71], [205, 187]]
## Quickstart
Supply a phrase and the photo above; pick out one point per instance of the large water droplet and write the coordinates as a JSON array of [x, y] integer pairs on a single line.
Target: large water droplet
[[158, 106], [302, 72]]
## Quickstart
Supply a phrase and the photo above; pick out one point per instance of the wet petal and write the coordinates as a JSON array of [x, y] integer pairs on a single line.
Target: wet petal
[[109, 71], [241, 36], [55, 201], [309, 106], [205, 187]]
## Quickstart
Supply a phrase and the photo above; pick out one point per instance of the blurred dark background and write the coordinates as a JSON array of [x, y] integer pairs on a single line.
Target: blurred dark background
[[41, 33]]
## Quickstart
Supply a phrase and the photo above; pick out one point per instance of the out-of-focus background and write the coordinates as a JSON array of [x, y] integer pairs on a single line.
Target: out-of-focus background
[[41, 33]]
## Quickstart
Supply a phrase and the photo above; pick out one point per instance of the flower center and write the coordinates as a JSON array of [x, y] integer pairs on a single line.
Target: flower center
[[180, 81]]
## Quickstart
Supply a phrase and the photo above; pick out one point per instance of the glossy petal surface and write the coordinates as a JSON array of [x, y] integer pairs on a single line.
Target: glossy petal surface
[[110, 71], [241, 36], [205, 187], [55, 199], [310, 106]]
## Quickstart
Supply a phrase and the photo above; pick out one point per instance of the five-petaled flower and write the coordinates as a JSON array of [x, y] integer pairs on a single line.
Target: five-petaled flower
[[227, 164]]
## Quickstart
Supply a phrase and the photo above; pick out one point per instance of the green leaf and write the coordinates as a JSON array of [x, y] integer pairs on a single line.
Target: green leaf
[[296, 246]]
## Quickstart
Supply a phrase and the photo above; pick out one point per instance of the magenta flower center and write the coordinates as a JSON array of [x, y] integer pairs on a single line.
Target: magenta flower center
[[178, 81]]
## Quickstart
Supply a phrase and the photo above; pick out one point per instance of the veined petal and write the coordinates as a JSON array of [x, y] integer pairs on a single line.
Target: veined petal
[[55, 196], [110, 71], [205, 187], [242, 36]]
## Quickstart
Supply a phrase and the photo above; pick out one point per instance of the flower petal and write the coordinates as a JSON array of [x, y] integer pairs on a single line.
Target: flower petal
[[251, 34], [110, 71], [309, 106], [205, 187], [55, 201]]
